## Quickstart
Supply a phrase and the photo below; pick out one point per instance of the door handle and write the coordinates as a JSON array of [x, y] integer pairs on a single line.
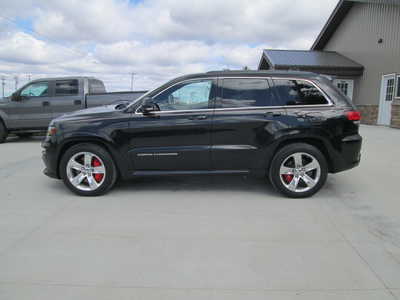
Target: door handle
[[201, 117], [77, 102], [45, 103]]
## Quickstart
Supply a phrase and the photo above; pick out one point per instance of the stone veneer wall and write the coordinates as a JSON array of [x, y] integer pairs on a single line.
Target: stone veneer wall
[[395, 115], [369, 114]]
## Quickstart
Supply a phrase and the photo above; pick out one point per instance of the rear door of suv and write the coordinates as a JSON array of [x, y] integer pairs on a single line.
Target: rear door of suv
[[245, 120]]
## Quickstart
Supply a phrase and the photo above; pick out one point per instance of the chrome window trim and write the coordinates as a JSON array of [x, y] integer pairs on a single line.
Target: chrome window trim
[[327, 98]]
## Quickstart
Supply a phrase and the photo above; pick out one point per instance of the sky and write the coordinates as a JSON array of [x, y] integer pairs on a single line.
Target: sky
[[155, 39]]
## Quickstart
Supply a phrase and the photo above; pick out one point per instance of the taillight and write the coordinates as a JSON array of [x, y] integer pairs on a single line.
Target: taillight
[[353, 115]]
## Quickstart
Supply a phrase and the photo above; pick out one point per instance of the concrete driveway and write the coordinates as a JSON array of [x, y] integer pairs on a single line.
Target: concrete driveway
[[201, 237]]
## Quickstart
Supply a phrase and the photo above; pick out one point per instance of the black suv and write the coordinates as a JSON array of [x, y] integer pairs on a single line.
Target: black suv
[[292, 127]]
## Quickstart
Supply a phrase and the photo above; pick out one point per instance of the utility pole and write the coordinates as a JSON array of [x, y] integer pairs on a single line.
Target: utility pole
[[3, 83], [132, 75], [29, 77], [16, 81]]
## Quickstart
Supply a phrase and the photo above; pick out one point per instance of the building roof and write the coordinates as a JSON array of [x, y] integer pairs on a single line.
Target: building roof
[[329, 61], [338, 14]]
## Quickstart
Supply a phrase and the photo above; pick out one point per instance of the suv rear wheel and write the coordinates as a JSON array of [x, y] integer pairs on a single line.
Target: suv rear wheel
[[298, 170], [88, 170]]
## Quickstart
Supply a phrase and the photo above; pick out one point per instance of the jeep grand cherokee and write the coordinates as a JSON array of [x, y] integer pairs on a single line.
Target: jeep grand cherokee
[[291, 127]]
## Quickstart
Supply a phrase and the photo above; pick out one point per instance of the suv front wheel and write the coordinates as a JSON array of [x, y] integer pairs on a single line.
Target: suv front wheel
[[298, 170], [88, 170]]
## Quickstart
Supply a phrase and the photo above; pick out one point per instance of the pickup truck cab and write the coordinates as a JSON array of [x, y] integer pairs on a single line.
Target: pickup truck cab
[[293, 127], [33, 106]]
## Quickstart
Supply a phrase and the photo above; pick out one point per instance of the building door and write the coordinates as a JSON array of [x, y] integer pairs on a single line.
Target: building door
[[386, 98], [346, 86]]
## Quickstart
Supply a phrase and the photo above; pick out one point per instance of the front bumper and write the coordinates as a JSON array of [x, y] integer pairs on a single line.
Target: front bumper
[[50, 161]]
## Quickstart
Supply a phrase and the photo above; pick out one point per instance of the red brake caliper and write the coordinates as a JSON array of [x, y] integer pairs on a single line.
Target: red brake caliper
[[287, 178], [96, 163]]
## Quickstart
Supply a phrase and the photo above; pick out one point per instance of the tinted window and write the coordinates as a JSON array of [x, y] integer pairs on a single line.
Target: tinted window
[[237, 92], [66, 87], [37, 89], [186, 96], [298, 92], [96, 86]]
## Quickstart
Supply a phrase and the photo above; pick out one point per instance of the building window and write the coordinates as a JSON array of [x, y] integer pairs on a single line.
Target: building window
[[390, 89], [398, 87]]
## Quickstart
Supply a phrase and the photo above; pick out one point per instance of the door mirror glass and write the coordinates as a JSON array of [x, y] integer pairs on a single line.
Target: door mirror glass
[[15, 97]]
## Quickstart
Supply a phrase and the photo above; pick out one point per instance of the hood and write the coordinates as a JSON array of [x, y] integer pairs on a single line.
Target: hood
[[94, 112], [5, 100]]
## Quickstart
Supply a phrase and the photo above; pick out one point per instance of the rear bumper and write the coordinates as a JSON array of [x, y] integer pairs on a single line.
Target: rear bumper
[[349, 154]]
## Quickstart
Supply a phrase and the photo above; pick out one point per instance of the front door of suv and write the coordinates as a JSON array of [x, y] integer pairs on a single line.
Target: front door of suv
[[245, 121], [177, 137]]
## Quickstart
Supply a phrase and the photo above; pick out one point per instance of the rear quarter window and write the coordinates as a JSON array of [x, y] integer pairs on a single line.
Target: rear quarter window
[[96, 86], [298, 92]]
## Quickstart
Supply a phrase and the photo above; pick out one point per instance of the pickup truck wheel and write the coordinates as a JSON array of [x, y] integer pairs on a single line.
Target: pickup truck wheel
[[23, 135], [3, 132], [298, 170], [88, 170]]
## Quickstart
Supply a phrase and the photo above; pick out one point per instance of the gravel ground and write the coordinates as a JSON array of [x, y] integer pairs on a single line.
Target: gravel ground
[[201, 237]]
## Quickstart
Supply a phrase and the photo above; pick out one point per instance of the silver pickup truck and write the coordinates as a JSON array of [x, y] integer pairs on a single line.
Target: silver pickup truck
[[33, 106]]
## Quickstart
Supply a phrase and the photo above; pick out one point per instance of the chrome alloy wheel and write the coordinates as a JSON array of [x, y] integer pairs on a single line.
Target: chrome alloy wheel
[[300, 172], [86, 171]]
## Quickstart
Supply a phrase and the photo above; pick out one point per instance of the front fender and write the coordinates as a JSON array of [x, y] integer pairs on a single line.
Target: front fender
[[68, 140]]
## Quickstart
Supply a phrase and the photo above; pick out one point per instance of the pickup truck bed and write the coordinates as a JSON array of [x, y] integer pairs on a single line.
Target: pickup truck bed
[[98, 99]]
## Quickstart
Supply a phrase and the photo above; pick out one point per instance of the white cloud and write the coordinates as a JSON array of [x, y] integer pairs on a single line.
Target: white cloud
[[20, 47], [157, 39]]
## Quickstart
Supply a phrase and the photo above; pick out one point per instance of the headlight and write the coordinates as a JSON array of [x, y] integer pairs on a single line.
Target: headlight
[[51, 131]]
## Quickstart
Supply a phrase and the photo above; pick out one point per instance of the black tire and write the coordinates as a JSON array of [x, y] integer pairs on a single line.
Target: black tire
[[3, 132], [110, 169], [283, 156], [23, 135]]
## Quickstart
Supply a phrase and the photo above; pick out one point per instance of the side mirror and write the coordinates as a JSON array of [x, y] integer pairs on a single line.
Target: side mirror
[[15, 97], [148, 108]]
